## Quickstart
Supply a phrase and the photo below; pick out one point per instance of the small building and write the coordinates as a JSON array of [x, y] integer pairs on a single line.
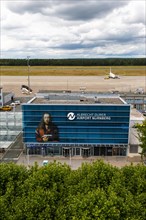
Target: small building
[[136, 118], [137, 101], [5, 97]]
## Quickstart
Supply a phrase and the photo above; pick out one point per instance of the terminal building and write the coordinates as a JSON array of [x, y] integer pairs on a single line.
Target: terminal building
[[79, 125]]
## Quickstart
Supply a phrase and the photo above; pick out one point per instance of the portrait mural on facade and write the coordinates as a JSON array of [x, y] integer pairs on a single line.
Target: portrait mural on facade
[[47, 130]]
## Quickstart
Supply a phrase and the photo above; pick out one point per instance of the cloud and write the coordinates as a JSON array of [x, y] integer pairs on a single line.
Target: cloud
[[75, 28], [135, 13], [32, 7], [88, 10], [67, 10]]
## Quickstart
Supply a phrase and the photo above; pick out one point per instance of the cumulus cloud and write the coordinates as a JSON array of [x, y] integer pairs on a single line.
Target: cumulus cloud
[[73, 28], [69, 9], [88, 10]]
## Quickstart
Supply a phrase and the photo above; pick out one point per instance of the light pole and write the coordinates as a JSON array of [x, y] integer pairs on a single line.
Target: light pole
[[28, 72], [27, 157], [14, 116], [7, 124], [70, 154]]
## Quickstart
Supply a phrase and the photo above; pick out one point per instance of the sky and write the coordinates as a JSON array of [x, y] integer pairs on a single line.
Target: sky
[[56, 29]]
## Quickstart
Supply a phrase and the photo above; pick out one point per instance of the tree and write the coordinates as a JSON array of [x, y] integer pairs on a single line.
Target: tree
[[94, 191], [141, 128]]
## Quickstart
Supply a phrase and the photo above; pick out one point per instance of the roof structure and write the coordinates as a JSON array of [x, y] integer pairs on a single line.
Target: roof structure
[[77, 98]]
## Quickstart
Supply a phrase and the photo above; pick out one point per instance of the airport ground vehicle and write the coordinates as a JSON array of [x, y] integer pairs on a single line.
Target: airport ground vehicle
[[13, 104], [17, 102], [25, 89]]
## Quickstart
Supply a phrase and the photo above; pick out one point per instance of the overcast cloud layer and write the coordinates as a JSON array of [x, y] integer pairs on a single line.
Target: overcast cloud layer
[[73, 28]]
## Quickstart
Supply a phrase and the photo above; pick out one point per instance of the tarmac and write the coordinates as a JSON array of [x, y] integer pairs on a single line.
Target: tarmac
[[73, 83]]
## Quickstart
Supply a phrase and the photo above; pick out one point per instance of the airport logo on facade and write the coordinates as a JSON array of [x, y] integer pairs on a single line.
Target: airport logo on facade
[[88, 116], [71, 116]]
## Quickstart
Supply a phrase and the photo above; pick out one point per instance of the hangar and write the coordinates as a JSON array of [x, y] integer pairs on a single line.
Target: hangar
[[86, 124]]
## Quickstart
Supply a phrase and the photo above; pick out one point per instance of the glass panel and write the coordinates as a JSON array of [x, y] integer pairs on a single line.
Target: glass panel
[[56, 150], [85, 152], [78, 151], [50, 151], [103, 151], [109, 151], [122, 151], [115, 151], [96, 151], [66, 152]]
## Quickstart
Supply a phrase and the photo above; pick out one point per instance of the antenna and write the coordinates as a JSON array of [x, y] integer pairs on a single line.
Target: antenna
[[67, 91]]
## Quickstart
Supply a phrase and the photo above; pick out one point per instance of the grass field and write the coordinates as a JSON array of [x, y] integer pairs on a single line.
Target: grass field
[[72, 70]]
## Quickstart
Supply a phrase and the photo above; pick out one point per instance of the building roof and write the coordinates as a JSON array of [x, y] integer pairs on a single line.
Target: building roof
[[7, 93], [77, 98]]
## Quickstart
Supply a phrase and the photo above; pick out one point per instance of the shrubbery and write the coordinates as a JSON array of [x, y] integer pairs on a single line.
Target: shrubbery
[[94, 191]]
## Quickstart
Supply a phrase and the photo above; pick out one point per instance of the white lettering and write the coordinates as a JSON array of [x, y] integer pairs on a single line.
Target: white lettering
[[93, 116]]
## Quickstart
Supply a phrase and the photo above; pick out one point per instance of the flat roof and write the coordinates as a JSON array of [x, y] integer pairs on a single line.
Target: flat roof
[[77, 98], [7, 93], [100, 101]]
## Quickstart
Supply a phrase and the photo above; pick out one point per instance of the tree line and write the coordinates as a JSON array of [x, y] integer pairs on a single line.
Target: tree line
[[54, 191], [75, 62]]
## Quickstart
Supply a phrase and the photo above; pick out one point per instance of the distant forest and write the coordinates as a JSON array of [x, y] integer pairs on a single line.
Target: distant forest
[[75, 62]]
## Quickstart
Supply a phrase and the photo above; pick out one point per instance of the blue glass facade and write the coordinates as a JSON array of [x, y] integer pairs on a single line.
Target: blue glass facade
[[89, 124]]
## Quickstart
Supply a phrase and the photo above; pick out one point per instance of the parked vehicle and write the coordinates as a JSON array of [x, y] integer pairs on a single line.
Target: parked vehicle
[[17, 102], [6, 108], [25, 89], [13, 104]]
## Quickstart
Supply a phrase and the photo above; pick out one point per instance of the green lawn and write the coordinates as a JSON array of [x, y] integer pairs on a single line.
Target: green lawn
[[72, 70]]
